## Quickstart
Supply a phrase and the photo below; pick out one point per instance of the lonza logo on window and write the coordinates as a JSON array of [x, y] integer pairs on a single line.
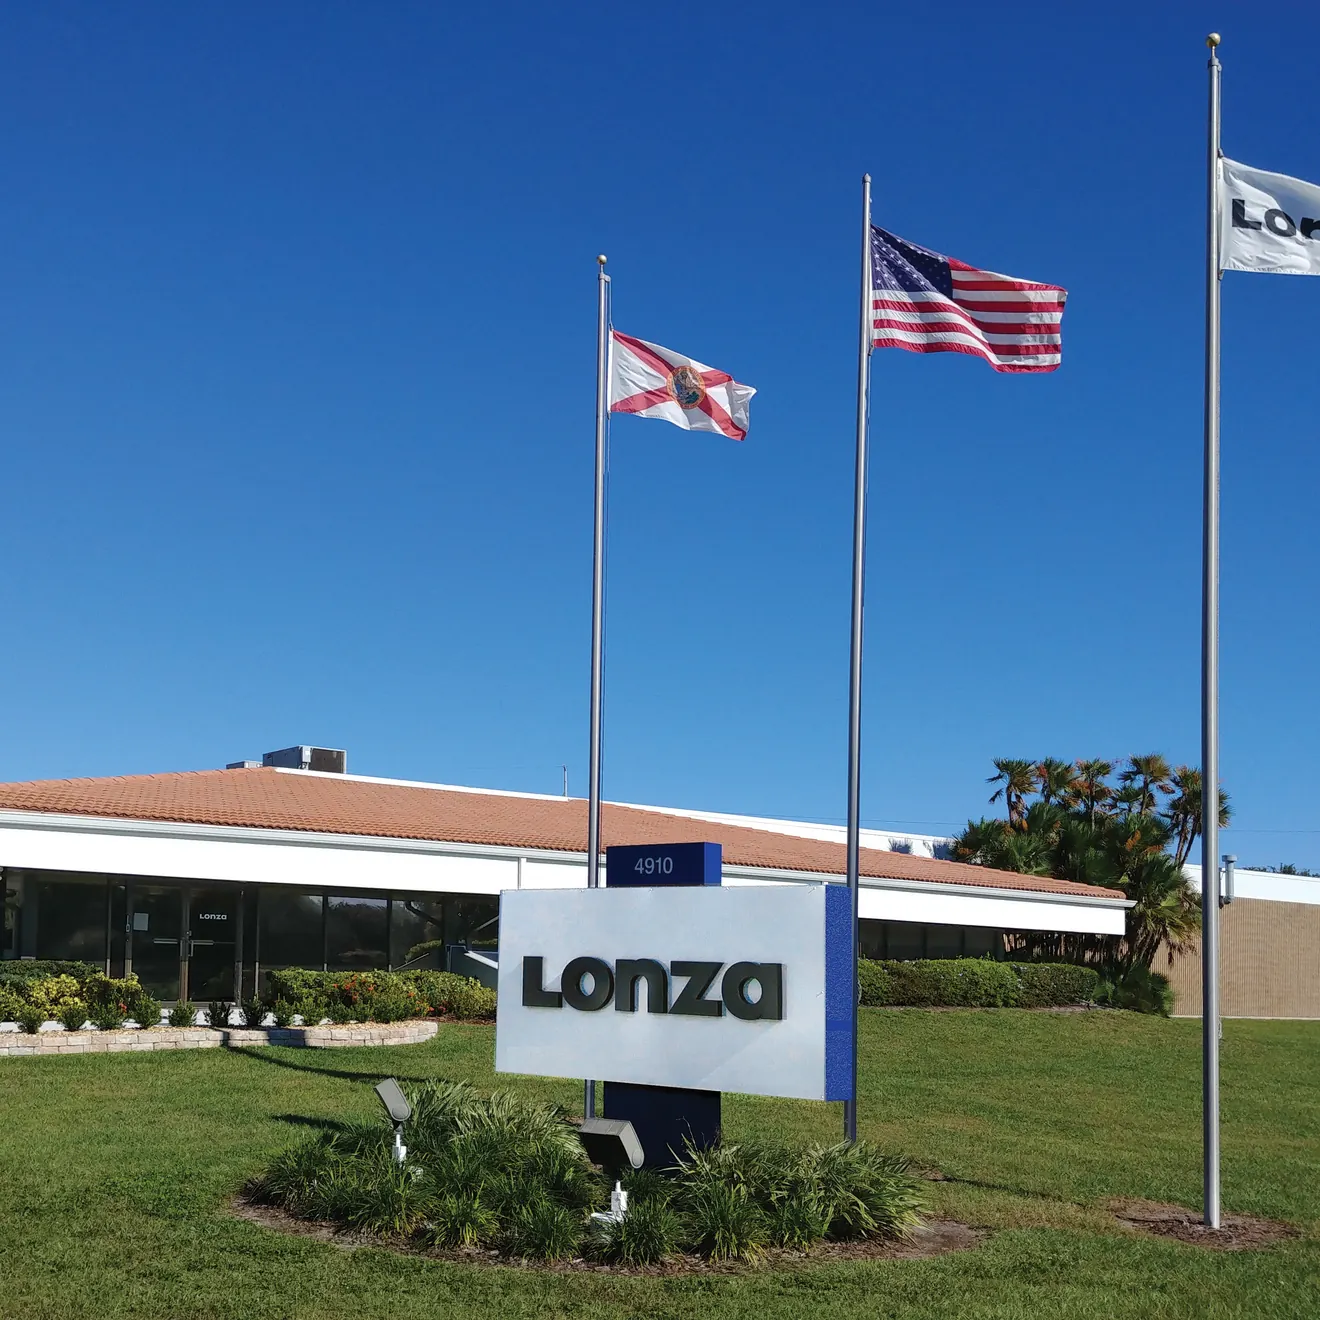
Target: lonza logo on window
[[622, 982]]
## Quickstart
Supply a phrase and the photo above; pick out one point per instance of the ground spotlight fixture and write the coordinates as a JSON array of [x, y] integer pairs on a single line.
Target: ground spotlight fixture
[[612, 1143], [399, 1111]]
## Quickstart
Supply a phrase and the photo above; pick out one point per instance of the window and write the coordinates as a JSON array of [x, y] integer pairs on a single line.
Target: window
[[904, 941], [356, 936], [291, 930], [12, 884], [71, 919], [415, 920]]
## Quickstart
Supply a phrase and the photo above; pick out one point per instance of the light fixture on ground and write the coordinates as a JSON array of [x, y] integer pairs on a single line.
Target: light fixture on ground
[[612, 1143], [399, 1111]]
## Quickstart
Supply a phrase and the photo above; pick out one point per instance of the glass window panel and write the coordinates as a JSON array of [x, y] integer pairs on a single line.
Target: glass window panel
[[71, 919], [13, 896], [983, 943], [473, 922], [871, 938], [944, 942], [356, 937], [906, 940], [415, 921], [291, 930]]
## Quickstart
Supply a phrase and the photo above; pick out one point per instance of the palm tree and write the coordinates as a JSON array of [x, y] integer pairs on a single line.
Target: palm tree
[[1016, 780], [1166, 911], [1127, 799], [1151, 775], [980, 839], [1183, 814], [1055, 779], [1090, 789]]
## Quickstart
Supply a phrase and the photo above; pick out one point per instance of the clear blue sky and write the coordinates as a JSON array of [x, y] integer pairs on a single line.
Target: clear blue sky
[[296, 383]]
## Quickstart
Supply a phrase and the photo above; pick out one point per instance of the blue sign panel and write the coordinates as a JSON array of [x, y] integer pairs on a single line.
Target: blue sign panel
[[840, 995], [638, 865]]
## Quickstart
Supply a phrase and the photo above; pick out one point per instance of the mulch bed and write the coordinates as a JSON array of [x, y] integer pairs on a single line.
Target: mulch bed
[[1236, 1232], [934, 1238]]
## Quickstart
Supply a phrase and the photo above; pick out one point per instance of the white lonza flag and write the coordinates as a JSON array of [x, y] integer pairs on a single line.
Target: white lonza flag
[[657, 382], [1268, 223]]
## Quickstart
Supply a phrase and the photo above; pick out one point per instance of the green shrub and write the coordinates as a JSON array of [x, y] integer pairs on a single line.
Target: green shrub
[[30, 1019], [282, 1011], [542, 1230], [51, 993], [801, 1196], [146, 1011], [459, 1219], [309, 1007], [725, 1223], [390, 1199], [35, 969], [874, 983], [73, 1016], [253, 1011], [381, 996], [797, 1222], [11, 1004], [1139, 990], [951, 982], [349, 996], [101, 991], [861, 1192], [183, 1014], [447, 994], [106, 1017], [217, 1014], [1055, 985], [504, 1171], [649, 1232], [974, 983]]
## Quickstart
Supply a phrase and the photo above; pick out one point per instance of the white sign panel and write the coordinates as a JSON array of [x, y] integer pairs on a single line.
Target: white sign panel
[[740, 989]]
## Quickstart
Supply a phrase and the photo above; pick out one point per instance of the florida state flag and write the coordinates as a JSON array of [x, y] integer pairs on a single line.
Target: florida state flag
[[657, 382]]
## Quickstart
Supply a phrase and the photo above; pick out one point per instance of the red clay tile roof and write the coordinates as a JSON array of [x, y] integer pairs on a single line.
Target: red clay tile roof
[[264, 798]]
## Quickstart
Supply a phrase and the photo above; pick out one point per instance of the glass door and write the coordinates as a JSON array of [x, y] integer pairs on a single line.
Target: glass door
[[213, 918], [156, 929]]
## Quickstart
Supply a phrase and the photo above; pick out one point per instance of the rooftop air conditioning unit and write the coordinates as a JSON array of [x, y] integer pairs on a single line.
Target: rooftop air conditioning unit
[[333, 761]]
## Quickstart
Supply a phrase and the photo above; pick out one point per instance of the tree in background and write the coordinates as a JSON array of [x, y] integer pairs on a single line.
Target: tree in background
[[1016, 780], [1078, 821]]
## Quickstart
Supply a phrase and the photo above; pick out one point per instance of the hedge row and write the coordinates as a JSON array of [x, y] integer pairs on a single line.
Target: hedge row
[[73, 994], [36, 969], [378, 996], [974, 983]]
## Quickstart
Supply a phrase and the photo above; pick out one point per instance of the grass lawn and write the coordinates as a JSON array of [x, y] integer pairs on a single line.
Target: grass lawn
[[115, 1172]]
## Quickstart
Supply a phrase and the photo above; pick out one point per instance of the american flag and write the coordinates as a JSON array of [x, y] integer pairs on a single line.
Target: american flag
[[928, 303]]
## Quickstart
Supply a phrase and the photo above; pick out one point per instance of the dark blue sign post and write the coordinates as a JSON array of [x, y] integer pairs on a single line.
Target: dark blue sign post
[[666, 1118]]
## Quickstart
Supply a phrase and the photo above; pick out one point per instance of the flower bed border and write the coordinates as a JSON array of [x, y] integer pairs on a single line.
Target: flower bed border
[[20, 1044], [933, 1237]]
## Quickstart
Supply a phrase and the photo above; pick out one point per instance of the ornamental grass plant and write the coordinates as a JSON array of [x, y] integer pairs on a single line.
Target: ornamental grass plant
[[507, 1174]]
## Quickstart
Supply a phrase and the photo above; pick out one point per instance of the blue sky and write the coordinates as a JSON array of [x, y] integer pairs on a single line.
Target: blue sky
[[296, 383]]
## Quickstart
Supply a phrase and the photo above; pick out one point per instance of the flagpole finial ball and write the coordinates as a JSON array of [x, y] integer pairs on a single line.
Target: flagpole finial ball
[[601, 260], [1212, 40]]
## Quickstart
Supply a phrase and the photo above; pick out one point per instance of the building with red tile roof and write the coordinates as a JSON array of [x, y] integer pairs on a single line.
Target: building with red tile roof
[[203, 881]]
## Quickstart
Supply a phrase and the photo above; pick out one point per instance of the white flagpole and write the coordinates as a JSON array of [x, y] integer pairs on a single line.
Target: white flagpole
[[1210, 675], [597, 604], [855, 652]]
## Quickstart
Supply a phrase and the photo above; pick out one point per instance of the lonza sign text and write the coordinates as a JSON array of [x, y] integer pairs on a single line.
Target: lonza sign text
[[715, 988], [622, 982]]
